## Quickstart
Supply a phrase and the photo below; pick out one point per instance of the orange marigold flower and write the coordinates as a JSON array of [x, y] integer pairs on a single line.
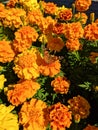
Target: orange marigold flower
[[60, 85], [90, 127], [26, 66], [93, 56], [35, 17], [82, 5], [82, 17], [24, 38], [33, 115], [1, 7], [73, 44], [6, 52], [79, 107], [11, 3], [91, 31], [59, 116], [47, 24], [50, 65], [14, 17], [49, 7], [65, 14], [59, 28], [73, 30], [96, 21], [3, 12], [18, 93], [54, 43]]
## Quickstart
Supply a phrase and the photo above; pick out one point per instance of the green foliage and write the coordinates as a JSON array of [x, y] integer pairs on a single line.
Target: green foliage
[[86, 86], [48, 127]]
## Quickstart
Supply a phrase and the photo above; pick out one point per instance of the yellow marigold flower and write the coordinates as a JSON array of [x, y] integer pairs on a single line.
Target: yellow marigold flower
[[14, 17], [96, 88], [91, 31], [65, 14], [35, 17], [26, 66], [60, 85], [59, 28], [73, 30], [43, 38], [29, 5], [50, 65], [49, 7], [2, 80], [90, 127], [18, 93], [82, 5], [8, 120], [33, 115], [93, 56], [24, 38], [54, 43], [6, 52], [80, 107], [73, 44], [82, 17], [59, 116]]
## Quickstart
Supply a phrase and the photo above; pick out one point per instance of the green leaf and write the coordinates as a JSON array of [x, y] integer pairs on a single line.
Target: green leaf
[[86, 86]]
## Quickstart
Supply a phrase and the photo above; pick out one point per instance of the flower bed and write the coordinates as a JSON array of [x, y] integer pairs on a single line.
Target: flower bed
[[48, 66]]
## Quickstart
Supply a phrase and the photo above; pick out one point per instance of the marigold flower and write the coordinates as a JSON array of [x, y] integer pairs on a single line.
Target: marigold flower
[[2, 80], [79, 107], [35, 17], [26, 66], [82, 17], [91, 31], [96, 21], [6, 52], [33, 115], [24, 89], [3, 12], [73, 30], [96, 88], [47, 24], [90, 127], [82, 5], [60, 85], [43, 38], [73, 44], [1, 7], [59, 116], [11, 3], [65, 14], [93, 56], [24, 38], [50, 65], [14, 17], [59, 28], [49, 7], [8, 120], [54, 43], [29, 5]]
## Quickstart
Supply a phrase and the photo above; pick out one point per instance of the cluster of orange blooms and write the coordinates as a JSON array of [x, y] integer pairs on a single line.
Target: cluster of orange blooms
[[29, 27]]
